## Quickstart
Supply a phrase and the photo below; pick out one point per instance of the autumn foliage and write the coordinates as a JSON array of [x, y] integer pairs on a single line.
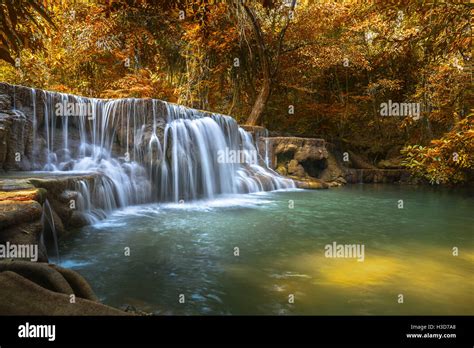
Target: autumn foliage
[[330, 66]]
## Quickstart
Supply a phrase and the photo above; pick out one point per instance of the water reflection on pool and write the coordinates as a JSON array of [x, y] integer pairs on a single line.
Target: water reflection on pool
[[190, 249]]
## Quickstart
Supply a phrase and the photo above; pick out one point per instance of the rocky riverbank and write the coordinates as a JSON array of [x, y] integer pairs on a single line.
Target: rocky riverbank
[[22, 207], [30, 288], [40, 288], [315, 164]]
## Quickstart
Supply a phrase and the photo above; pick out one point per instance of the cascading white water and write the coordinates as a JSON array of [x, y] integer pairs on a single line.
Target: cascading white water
[[95, 121], [98, 198], [49, 235], [144, 154], [197, 167]]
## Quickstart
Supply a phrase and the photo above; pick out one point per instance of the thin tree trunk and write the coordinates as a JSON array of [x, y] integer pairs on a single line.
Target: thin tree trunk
[[255, 116], [262, 97], [260, 103]]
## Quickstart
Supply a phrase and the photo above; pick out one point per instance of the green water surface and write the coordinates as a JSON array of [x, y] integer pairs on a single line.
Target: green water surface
[[190, 249]]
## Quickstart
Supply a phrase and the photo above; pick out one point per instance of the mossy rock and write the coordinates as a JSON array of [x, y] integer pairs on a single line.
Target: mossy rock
[[311, 184], [15, 184], [281, 169]]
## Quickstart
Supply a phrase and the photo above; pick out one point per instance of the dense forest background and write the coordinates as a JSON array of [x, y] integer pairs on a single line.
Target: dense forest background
[[305, 68]]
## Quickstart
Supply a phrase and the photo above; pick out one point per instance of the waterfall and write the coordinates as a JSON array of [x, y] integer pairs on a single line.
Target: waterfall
[[147, 151], [267, 159], [99, 197], [34, 122], [49, 236], [198, 167]]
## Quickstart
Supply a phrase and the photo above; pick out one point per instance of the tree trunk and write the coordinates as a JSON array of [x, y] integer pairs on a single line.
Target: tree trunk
[[262, 98], [260, 103]]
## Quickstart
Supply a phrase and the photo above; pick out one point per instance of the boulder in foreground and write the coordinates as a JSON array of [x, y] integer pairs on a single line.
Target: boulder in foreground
[[29, 288]]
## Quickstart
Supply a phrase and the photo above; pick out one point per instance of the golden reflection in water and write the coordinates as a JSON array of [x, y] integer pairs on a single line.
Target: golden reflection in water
[[431, 279]]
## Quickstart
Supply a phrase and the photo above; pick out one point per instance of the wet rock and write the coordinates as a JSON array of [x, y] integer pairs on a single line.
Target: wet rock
[[22, 296], [303, 159], [281, 150], [62, 210], [58, 224], [284, 147], [282, 170], [306, 151], [334, 170], [265, 182], [312, 184], [29, 234], [5, 102], [15, 184], [39, 273], [21, 208], [310, 152], [54, 185], [17, 212], [77, 219], [255, 131], [67, 196], [358, 162], [295, 169], [14, 137], [78, 284], [3, 144], [134, 310]]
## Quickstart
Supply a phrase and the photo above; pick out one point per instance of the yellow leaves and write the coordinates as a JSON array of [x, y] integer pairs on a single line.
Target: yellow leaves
[[446, 160], [60, 88], [143, 83]]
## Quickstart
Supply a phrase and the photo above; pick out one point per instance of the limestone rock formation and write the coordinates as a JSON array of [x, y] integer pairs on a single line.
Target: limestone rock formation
[[302, 159], [22, 201], [30, 288], [14, 140], [256, 131]]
